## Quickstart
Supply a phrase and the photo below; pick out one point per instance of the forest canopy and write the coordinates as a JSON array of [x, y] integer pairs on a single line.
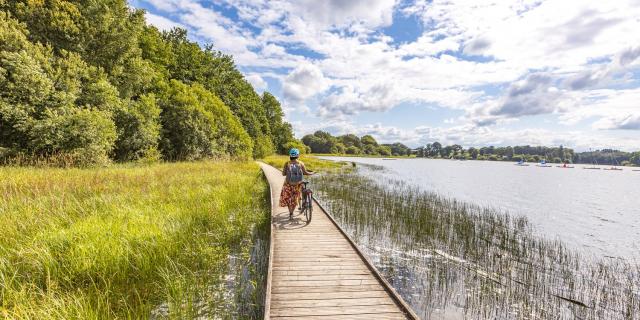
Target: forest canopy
[[90, 81]]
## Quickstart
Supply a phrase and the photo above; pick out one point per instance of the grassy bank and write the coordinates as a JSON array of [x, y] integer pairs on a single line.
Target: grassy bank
[[451, 259], [311, 162], [161, 241]]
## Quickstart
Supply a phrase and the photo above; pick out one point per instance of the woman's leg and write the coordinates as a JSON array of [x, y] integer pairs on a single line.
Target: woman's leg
[[292, 207]]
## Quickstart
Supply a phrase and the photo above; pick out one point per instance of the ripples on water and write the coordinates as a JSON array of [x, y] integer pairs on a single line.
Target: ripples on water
[[594, 211], [450, 259]]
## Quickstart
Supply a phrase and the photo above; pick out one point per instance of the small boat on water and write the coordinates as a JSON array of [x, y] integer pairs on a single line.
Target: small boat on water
[[591, 168], [543, 164], [613, 169], [521, 163], [565, 166]]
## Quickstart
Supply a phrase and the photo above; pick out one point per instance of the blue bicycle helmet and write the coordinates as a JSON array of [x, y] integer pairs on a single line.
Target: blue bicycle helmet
[[294, 152]]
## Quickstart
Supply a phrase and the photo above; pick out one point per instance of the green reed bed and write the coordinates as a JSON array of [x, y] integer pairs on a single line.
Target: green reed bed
[[160, 241], [451, 259]]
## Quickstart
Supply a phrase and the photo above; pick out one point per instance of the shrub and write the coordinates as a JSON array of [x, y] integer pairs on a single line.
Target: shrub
[[296, 144]]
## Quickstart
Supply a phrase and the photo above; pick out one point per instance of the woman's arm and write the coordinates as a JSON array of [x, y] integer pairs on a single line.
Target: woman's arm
[[284, 169], [305, 171]]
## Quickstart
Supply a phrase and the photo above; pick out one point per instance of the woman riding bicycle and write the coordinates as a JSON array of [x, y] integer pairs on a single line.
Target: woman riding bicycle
[[294, 170]]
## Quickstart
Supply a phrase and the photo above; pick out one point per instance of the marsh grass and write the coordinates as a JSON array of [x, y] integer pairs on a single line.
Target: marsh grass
[[181, 240], [451, 259], [310, 162]]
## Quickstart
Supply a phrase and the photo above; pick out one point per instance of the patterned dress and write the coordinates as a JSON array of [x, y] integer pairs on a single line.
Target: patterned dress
[[290, 193]]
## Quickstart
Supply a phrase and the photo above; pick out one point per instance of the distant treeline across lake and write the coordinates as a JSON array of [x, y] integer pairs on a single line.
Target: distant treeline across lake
[[349, 144]]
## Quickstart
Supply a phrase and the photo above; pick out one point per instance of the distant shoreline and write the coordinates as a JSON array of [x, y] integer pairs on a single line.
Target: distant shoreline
[[433, 158]]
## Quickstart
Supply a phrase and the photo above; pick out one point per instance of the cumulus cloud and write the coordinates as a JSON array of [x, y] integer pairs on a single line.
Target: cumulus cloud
[[602, 74], [344, 13], [477, 46], [162, 23], [536, 94], [349, 100], [257, 82], [629, 56], [584, 28], [627, 122], [302, 83], [556, 57]]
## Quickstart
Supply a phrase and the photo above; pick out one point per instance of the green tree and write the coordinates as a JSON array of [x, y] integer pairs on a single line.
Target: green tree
[[399, 149], [138, 129], [281, 132], [196, 124], [353, 150], [350, 140], [319, 142], [52, 104], [383, 150], [369, 140]]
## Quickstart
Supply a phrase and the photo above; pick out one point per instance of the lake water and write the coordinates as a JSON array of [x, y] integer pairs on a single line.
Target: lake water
[[594, 211]]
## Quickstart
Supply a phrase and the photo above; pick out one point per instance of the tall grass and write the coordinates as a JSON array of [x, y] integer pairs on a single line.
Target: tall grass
[[162, 241], [310, 162], [451, 259]]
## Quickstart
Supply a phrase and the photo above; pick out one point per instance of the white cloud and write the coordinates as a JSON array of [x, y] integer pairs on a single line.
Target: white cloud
[[628, 122], [302, 83], [257, 82], [538, 34], [344, 13], [162, 23], [500, 61]]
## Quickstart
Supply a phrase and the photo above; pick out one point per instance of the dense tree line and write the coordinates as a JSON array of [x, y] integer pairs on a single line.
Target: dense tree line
[[92, 81], [608, 157], [528, 153], [324, 142]]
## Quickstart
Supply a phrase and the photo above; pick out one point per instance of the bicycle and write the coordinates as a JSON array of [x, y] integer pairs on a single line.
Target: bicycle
[[307, 201]]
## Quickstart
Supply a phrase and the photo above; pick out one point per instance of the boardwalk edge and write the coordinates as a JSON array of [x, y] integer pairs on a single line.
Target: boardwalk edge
[[392, 292], [267, 296]]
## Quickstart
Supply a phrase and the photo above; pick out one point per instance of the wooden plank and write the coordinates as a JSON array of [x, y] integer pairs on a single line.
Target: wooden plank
[[316, 259], [304, 277], [328, 311], [329, 295], [320, 262], [276, 289], [325, 254], [320, 272], [324, 283], [309, 265], [318, 267], [319, 251], [332, 302], [381, 316]]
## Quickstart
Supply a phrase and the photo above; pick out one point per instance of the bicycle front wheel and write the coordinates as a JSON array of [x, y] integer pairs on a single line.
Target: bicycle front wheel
[[309, 208]]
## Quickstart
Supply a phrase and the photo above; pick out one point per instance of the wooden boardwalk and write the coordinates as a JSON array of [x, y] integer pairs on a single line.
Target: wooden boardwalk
[[317, 272]]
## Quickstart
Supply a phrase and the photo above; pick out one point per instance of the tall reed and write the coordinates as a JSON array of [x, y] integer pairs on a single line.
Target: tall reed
[[451, 259]]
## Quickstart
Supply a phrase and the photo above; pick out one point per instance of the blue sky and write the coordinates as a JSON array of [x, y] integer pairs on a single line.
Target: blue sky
[[476, 73]]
